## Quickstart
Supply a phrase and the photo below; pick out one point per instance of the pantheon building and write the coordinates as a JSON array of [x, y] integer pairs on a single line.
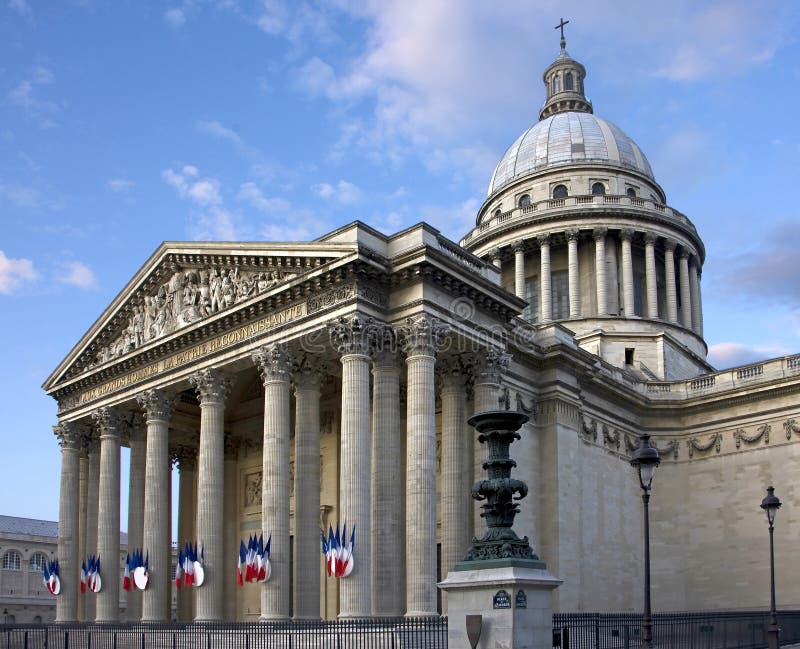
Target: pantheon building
[[297, 385]]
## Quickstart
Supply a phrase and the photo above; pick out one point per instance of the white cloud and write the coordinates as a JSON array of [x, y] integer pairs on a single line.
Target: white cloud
[[175, 17], [274, 17], [215, 224], [25, 96], [216, 129], [342, 192], [253, 196], [203, 192], [14, 273], [76, 273], [120, 185], [21, 7], [730, 354]]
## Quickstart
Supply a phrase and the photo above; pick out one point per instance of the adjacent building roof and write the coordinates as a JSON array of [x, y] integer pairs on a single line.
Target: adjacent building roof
[[30, 526]]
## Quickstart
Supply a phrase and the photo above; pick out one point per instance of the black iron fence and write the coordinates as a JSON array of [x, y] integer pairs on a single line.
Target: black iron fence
[[709, 630], [383, 633]]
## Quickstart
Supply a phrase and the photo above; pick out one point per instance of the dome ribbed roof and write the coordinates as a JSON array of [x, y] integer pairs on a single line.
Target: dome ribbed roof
[[568, 138]]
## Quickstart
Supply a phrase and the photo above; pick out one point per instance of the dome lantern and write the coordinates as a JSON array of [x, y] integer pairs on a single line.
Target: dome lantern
[[563, 82]]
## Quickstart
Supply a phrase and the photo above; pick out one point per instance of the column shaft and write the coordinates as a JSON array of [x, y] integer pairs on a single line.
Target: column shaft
[[388, 524], [69, 563], [686, 297], [136, 480], [421, 336], [306, 495], [273, 363], [650, 275], [669, 273], [627, 274], [212, 390], [92, 503], [82, 508], [187, 512], [231, 526], [455, 498], [156, 600], [599, 235], [697, 313], [573, 272], [544, 280], [108, 422], [519, 271]]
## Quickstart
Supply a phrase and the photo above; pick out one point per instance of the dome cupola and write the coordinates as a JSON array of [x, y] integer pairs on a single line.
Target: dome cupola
[[563, 82]]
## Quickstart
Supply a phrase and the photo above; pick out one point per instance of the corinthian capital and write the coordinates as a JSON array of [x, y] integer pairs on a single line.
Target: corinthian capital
[[308, 372], [109, 421], [423, 335], [68, 434], [491, 365], [352, 334], [211, 386], [157, 404], [453, 372], [273, 362]]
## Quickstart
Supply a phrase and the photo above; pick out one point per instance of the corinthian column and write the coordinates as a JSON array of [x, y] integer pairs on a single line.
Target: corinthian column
[[187, 512], [108, 422], [156, 600], [455, 498], [519, 270], [669, 276], [83, 473], [388, 522], [686, 297], [69, 563], [136, 478], [573, 272], [599, 235], [307, 379], [627, 273], [697, 307], [421, 337], [544, 280], [650, 274], [212, 389], [351, 336], [273, 363], [92, 503]]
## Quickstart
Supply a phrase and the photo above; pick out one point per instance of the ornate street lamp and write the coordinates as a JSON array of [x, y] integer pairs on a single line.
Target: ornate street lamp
[[771, 504], [645, 459]]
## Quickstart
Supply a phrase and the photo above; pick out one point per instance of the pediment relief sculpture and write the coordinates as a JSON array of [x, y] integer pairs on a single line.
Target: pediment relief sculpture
[[189, 295]]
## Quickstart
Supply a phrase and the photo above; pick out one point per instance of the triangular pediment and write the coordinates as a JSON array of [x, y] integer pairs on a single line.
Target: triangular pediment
[[185, 283]]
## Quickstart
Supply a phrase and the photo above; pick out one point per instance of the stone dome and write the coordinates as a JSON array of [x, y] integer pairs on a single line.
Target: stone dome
[[569, 138]]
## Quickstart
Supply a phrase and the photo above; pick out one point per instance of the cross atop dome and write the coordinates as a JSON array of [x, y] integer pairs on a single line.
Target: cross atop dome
[[563, 81], [561, 27]]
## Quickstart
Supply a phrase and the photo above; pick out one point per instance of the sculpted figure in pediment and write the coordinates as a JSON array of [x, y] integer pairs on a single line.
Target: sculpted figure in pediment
[[188, 296]]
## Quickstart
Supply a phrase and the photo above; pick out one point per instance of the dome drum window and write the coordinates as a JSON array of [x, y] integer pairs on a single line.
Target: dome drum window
[[524, 201], [630, 192], [598, 189], [560, 191]]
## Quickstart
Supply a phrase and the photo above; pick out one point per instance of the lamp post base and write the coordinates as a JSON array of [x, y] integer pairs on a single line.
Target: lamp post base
[[772, 636]]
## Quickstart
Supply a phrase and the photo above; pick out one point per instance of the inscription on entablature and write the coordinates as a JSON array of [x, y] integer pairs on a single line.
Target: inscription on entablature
[[327, 299], [227, 339]]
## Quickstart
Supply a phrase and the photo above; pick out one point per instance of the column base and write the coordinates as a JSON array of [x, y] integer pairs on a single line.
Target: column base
[[515, 605], [411, 614]]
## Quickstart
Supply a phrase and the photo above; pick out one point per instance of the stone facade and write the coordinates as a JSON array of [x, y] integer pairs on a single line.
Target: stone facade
[[333, 384]]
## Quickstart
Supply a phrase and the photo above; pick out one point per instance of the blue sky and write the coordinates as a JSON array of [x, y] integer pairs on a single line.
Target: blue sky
[[123, 124]]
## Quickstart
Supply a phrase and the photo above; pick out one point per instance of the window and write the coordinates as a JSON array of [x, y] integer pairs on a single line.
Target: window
[[638, 294], [524, 200], [629, 355], [531, 312], [568, 84], [497, 212], [38, 562], [631, 192], [560, 191], [556, 84], [559, 285], [598, 189], [11, 560]]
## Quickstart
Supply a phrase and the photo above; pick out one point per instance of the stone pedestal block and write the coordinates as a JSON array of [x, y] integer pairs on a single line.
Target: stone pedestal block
[[516, 606]]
